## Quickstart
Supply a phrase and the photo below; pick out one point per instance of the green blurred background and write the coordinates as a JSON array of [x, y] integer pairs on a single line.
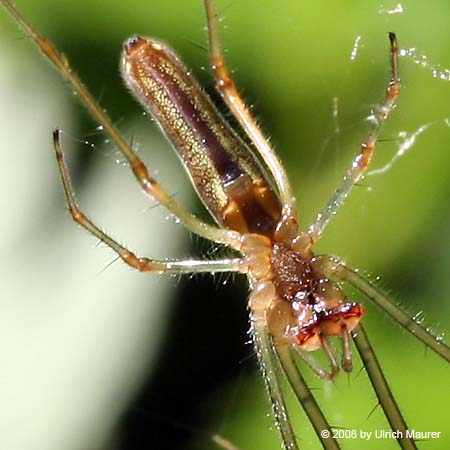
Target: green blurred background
[[97, 357]]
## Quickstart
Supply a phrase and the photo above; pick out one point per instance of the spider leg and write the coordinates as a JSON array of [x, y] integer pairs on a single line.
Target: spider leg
[[148, 184], [268, 362], [332, 267], [311, 362], [316, 367], [306, 399], [382, 390], [346, 350], [230, 94], [331, 357], [141, 264], [362, 160]]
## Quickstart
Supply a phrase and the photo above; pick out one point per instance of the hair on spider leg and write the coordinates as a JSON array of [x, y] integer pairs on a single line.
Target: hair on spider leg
[[224, 278], [153, 207], [197, 45], [108, 265], [374, 408]]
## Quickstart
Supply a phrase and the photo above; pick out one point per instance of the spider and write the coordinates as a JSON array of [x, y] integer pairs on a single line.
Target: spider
[[317, 329]]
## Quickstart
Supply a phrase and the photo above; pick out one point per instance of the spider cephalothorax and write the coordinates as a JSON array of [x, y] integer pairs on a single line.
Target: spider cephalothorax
[[302, 307]]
